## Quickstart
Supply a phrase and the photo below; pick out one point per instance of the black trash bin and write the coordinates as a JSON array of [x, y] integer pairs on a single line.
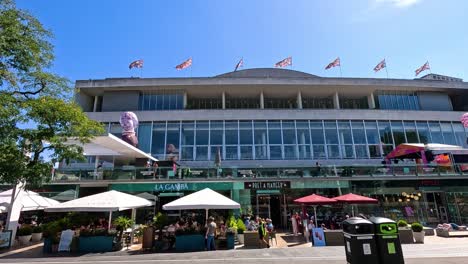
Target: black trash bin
[[360, 242], [388, 242]]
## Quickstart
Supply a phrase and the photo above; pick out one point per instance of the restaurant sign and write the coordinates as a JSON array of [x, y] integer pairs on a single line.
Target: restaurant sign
[[171, 187], [264, 185]]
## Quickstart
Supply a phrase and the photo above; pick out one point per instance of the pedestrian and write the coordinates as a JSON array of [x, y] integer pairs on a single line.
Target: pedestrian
[[318, 167], [210, 234], [294, 224], [262, 232]]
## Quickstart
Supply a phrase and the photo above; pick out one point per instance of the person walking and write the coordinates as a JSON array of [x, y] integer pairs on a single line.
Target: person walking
[[210, 234], [294, 224], [262, 232]]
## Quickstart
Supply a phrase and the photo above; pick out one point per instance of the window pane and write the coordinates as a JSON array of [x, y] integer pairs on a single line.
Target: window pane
[[216, 137], [436, 133], [385, 132], [319, 151], [231, 153], [372, 132], [159, 138], [411, 133], [202, 137], [304, 152], [361, 151], [214, 152], [374, 151], [245, 137], [231, 137], [261, 152], [274, 136], [290, 152], [358, 132], [348, 152], [317, 136], [188, 134], [231, 125], [344, 131], [187, 153], [423, 132], [172, 141], [202, 153], [144, 137], [333, 152], [447, 131], [289, 136], [246, 152], [303, 136], [275, 152], [331, 136], [398, 132], [260, 136]]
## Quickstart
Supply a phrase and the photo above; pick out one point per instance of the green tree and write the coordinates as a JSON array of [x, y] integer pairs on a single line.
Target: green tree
[[37, 114]]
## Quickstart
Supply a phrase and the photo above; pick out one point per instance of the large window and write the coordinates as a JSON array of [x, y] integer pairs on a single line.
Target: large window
[[160, 101], [288, 139], [398, 100]]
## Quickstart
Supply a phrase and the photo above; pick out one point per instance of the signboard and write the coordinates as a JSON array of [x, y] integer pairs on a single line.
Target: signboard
[[264, 185], [65, 240], [318, 236], [5, 239], [171, 187]]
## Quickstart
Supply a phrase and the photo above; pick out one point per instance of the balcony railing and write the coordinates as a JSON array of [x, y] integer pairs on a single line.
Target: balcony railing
[[130, 173]]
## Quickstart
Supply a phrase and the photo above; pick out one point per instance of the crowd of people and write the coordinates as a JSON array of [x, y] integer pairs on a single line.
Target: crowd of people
[[264, 227]]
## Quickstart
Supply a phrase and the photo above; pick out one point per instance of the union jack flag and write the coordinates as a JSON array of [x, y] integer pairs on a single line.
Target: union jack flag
[[284, 63], [240, 64], [423, 68], [184, 64], [334, 63], [136, 64], [380, 66]]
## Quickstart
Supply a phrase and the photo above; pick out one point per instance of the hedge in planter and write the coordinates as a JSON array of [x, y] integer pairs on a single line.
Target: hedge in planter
[[190, 239], [24, 234], [418, 232], [37, 233], [98, 240]]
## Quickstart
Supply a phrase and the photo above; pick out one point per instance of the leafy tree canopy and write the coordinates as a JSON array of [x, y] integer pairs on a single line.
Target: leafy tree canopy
[[37, 113]]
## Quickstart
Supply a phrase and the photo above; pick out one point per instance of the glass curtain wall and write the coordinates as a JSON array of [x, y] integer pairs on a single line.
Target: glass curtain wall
[[288, 139]]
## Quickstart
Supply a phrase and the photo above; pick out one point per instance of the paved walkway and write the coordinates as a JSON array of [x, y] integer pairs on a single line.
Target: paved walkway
[[451, 250]]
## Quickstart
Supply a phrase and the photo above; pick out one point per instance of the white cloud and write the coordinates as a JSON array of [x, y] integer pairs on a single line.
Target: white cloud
[[399, 3]]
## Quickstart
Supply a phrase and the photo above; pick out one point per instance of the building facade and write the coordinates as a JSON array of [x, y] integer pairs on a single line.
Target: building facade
[[270, 127]]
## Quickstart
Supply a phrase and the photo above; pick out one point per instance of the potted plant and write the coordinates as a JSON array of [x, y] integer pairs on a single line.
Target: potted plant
[[418, 232], [231, 231], [36, 234], [51, 239], [122, 223], [190, 239], [24, 235], [405, 233], [240, 231]]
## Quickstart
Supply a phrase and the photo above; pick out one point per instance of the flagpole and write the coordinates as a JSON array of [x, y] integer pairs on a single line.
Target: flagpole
[[386, 67]]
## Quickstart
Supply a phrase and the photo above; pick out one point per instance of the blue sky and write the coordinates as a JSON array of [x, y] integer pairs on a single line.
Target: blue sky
[[98, 39]]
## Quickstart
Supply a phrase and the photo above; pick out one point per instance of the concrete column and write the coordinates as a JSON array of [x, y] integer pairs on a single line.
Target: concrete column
[[262, 101], [185, 100], [336, 101], [95, 103], [371, 101], [299, 100], [223, 99]]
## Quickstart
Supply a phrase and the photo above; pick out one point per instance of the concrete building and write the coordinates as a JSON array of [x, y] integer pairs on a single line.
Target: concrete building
[[271, 126]]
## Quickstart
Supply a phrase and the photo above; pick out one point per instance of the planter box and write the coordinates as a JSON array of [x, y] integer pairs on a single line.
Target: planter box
[[36, 237], [419, 237], [190, 243], [95, 244], [24, 240], [251, 239], [406, 235], [240, 238], [148, 238], [230, 241], [334, 237]]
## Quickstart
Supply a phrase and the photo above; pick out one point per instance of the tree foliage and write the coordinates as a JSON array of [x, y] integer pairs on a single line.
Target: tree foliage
[[37, 115]]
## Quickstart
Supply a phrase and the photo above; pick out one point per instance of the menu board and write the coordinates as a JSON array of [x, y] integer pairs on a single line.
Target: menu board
[[5, 239]]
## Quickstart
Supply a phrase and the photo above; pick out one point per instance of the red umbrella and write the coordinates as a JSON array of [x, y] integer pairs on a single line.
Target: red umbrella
[[352, 198], [315, 200]]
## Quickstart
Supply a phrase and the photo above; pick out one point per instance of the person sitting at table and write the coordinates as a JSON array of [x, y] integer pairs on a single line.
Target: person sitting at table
[[269, 225]]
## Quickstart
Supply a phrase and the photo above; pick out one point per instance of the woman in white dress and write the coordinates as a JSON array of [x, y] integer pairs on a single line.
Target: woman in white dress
[[294, 224]]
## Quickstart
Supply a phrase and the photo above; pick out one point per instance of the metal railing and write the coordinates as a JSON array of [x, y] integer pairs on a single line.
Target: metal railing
[[130, 173]]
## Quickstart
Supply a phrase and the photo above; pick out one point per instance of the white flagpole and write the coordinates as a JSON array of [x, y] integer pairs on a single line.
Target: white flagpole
[[386, 67]]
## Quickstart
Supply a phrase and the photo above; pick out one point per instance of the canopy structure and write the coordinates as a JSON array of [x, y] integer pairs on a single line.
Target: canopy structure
[[109, 201], [417, 150], [148, 196], [315, 200], [352, 199], [204, 199], [29, 202]]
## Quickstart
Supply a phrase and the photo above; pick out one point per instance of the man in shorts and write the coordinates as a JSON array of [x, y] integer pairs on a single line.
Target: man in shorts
[[210, 234]]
